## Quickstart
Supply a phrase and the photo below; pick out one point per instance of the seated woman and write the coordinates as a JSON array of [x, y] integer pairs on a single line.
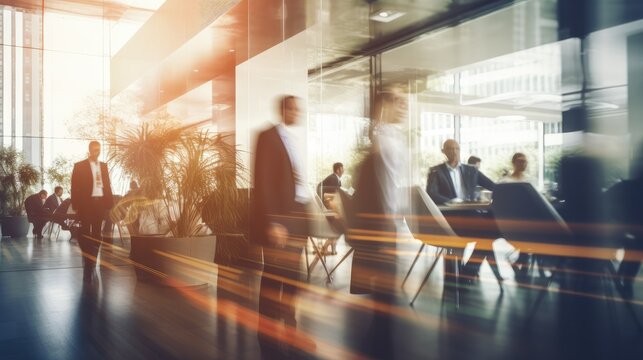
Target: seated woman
[[519, 163]]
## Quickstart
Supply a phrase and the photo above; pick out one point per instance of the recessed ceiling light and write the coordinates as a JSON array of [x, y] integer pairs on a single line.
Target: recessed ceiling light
[[386, 15]]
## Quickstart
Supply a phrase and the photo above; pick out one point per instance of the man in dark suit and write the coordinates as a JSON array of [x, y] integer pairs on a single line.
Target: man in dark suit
[[91, 196], [453, 181], [36, 213], [54, 201], [332, 182], [280, 226]]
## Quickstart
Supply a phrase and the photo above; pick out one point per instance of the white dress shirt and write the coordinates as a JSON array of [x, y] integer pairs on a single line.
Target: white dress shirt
[[456, 178], [302, 195], [97, 176]]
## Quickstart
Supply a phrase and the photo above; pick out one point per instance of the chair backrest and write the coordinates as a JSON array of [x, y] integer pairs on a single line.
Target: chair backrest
[[525, 215], [345, 208], [425, 218], [318, 223]]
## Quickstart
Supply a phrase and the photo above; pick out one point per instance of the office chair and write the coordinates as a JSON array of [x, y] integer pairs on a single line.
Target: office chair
[[524, 215], [319, 229], [427, 224]]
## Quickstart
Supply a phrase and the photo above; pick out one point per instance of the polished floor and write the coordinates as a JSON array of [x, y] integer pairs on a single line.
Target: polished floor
[[47, 313]]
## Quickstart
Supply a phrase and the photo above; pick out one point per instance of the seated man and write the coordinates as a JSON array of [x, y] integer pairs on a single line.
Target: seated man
[[61, 215], [36, 213], [331, 183], [54, 201], [453, 181]]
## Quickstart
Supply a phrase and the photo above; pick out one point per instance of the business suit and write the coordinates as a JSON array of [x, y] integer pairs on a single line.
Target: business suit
[[440, 187], [275, 202], [371, 257], [51, 204], [36, 213], [329, 185], [374, 260], [90, 209]]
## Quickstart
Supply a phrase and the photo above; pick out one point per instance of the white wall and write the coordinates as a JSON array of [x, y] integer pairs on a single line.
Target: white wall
[[262, 80]]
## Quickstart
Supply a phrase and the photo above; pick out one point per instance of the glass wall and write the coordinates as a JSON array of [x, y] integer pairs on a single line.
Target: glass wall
[[56, 78], [494, 97]]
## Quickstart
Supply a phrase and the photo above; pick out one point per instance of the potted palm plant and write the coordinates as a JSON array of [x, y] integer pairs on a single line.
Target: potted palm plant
[[17, 179], [178, 168]]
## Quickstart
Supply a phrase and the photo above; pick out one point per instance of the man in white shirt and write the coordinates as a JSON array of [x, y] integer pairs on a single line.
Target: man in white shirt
[[454, 181], [280, 227], [91, 197]]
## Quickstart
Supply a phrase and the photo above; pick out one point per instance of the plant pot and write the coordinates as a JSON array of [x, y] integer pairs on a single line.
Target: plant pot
[[176, 262], [15, 226], [235, 251]]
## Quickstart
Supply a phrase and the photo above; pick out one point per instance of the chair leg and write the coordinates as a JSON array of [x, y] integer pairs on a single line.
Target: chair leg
[[426, 277], [51, 229], [408, 273], [315, 259], [321, 260], [341, 261], [307, 263]]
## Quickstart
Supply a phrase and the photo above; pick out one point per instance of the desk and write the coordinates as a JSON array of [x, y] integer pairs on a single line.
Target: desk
[[475, 206]]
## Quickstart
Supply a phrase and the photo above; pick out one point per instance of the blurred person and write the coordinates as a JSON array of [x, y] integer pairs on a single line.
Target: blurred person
[[126, 212], [91, 197], [376, 205], [519, 163], [474, 161], [36, 213], [625, 215], [521, 265], [54, 201], [281, 228], [332, 182], [133, 188], [453, 181]]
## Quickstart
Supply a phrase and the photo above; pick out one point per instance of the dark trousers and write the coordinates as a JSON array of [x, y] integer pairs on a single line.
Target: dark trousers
[[629, 268], [91, 220], [278, 289], [38, 224], [277, 292]]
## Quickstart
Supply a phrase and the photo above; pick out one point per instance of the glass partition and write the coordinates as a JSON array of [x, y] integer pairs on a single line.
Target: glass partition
[[494, 97]]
